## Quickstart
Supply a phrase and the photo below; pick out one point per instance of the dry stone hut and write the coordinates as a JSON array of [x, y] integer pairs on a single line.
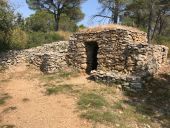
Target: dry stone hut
[[114, 53]]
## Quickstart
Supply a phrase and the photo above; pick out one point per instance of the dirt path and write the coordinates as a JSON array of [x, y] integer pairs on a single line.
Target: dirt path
[[29, 107]]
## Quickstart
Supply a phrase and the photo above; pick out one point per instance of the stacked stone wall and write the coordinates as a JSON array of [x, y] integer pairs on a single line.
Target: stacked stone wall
[[123, 55], [49, 58]]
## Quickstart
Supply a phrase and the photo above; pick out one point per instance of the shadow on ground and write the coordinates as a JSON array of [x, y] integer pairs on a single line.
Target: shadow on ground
[[154, 101]]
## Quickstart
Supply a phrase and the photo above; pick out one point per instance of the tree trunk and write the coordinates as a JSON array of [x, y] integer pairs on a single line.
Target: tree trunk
[[150, 22], [115, 19], [161, 22], [138, 19], [57, 19], [116, 12], [156, 24]]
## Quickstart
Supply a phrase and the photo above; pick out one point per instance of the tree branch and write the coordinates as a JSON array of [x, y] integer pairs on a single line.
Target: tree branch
[[102, 16]]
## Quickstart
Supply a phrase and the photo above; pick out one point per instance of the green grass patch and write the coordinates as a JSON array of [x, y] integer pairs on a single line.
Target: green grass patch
[[99, 116], [63, 74], [95, 108], [68, 74], [3, 98], [91, 100], [60, 75], [49, 77], [108, 90], [130, 113], [59, 89], [118, 105]]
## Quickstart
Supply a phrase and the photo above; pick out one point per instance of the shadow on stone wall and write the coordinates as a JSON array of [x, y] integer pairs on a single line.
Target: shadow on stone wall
[[154, 101]]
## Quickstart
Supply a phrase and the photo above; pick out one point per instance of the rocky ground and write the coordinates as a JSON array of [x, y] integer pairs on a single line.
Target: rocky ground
[[30, 99]]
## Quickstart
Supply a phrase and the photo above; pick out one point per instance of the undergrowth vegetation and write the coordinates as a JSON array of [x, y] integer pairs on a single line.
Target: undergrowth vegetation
[[163, 40], [39, 38], [21, 39], [60, 75], [59, 89], [91, 100], [99, 116], [120, 113]]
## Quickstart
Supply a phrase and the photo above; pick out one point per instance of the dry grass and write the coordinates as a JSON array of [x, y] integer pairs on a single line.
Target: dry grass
[[109, 27], [7, 126], [64, 34]]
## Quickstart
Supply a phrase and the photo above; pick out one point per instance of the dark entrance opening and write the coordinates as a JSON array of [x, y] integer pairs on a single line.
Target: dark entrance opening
[[91, 52]]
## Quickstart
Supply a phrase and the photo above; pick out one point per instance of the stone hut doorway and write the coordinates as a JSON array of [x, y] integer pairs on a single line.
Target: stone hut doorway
[[91, 52]]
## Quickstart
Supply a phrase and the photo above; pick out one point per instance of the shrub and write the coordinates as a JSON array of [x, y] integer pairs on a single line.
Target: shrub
[[39, 38], [19, 39], [163, 40], [4, 41], [6, 25], [65, 34]]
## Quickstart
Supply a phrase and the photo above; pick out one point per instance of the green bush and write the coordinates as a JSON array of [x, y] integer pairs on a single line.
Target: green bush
[[6, 25], [41, 21], [39, 38], [19, 39], [4, 41], [163, 40]]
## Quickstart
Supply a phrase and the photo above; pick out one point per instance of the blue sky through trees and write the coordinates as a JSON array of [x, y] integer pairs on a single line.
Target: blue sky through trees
[[90, 7]]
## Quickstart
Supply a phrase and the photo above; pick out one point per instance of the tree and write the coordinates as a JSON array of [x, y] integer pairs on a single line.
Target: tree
[[150, 15], [20, 21], [6, 24], [111, 9], [138, 12], [67, 24], [40, 21], [57, 8], [161, 19], [43, 21], [151, 10]]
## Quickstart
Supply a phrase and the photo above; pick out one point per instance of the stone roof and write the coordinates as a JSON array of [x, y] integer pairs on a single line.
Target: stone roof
[[107, 27]]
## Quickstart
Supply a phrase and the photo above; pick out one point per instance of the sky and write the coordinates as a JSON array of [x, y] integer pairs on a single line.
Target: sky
[[90, 7]]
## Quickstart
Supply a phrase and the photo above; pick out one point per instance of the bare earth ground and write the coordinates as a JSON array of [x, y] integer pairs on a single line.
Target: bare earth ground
[[28, 106], [40, 111]]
